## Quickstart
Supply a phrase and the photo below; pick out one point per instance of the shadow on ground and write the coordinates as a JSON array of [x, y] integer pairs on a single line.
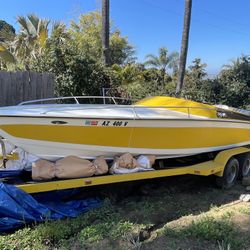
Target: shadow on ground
[[165, 199]]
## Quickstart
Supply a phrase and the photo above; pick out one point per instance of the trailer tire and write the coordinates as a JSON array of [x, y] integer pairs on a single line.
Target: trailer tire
[[230, 174], [244, 170]]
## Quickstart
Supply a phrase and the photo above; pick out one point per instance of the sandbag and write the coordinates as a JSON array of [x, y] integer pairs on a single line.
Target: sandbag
[[126, 161], [126, 164], [100, 165], [115, 169], [43, 170], [146, 161], [74, 167]]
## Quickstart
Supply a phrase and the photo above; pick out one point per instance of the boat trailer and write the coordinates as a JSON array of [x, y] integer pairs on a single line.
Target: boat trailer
[[216, 166]]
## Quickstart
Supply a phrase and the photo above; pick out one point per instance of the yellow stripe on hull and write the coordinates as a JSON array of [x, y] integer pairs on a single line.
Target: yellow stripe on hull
[[137, 137], [175, 138]]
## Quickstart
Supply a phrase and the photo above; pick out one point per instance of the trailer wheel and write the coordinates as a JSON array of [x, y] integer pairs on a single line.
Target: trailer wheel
[[230, 174], [244, 162]]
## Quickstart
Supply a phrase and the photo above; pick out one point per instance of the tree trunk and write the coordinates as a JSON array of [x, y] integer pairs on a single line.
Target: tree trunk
[[105, 31], [184, 45]]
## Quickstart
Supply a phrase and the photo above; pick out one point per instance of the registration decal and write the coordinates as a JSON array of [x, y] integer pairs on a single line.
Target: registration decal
[[114, 123], [91, 123]]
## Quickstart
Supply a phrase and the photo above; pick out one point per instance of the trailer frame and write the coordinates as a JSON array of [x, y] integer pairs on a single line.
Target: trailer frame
[[212, 167]]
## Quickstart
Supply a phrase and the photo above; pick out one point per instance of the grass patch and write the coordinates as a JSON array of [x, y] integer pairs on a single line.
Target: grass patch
[[93, 226], [100, 231], [51, 233], [211, 229], [244, 209], [211, 219]]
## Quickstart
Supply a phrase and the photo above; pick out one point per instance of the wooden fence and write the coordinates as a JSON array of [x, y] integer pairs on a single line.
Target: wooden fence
[[16, 87]]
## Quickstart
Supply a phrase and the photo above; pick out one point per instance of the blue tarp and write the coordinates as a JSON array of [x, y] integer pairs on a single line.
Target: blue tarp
[[18, 208]]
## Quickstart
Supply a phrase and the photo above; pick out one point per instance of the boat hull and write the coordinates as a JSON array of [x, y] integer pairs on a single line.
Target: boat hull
[[53, 138]]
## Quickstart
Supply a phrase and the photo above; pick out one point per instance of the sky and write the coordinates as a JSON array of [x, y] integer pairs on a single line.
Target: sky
[[220, 29]]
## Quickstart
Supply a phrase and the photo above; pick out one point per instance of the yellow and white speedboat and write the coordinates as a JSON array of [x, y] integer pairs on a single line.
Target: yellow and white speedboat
[[163, 126]]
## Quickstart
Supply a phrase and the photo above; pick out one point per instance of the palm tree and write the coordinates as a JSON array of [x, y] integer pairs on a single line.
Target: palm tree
[[184, 45], [163, 61], [33, 35], [105, 31], [30, 41]]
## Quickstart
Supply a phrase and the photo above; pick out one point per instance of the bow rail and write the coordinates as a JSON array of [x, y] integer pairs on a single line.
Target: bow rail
[[78, 100]]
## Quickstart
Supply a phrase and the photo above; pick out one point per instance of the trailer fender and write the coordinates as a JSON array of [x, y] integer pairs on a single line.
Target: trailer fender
[[224, 156]]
